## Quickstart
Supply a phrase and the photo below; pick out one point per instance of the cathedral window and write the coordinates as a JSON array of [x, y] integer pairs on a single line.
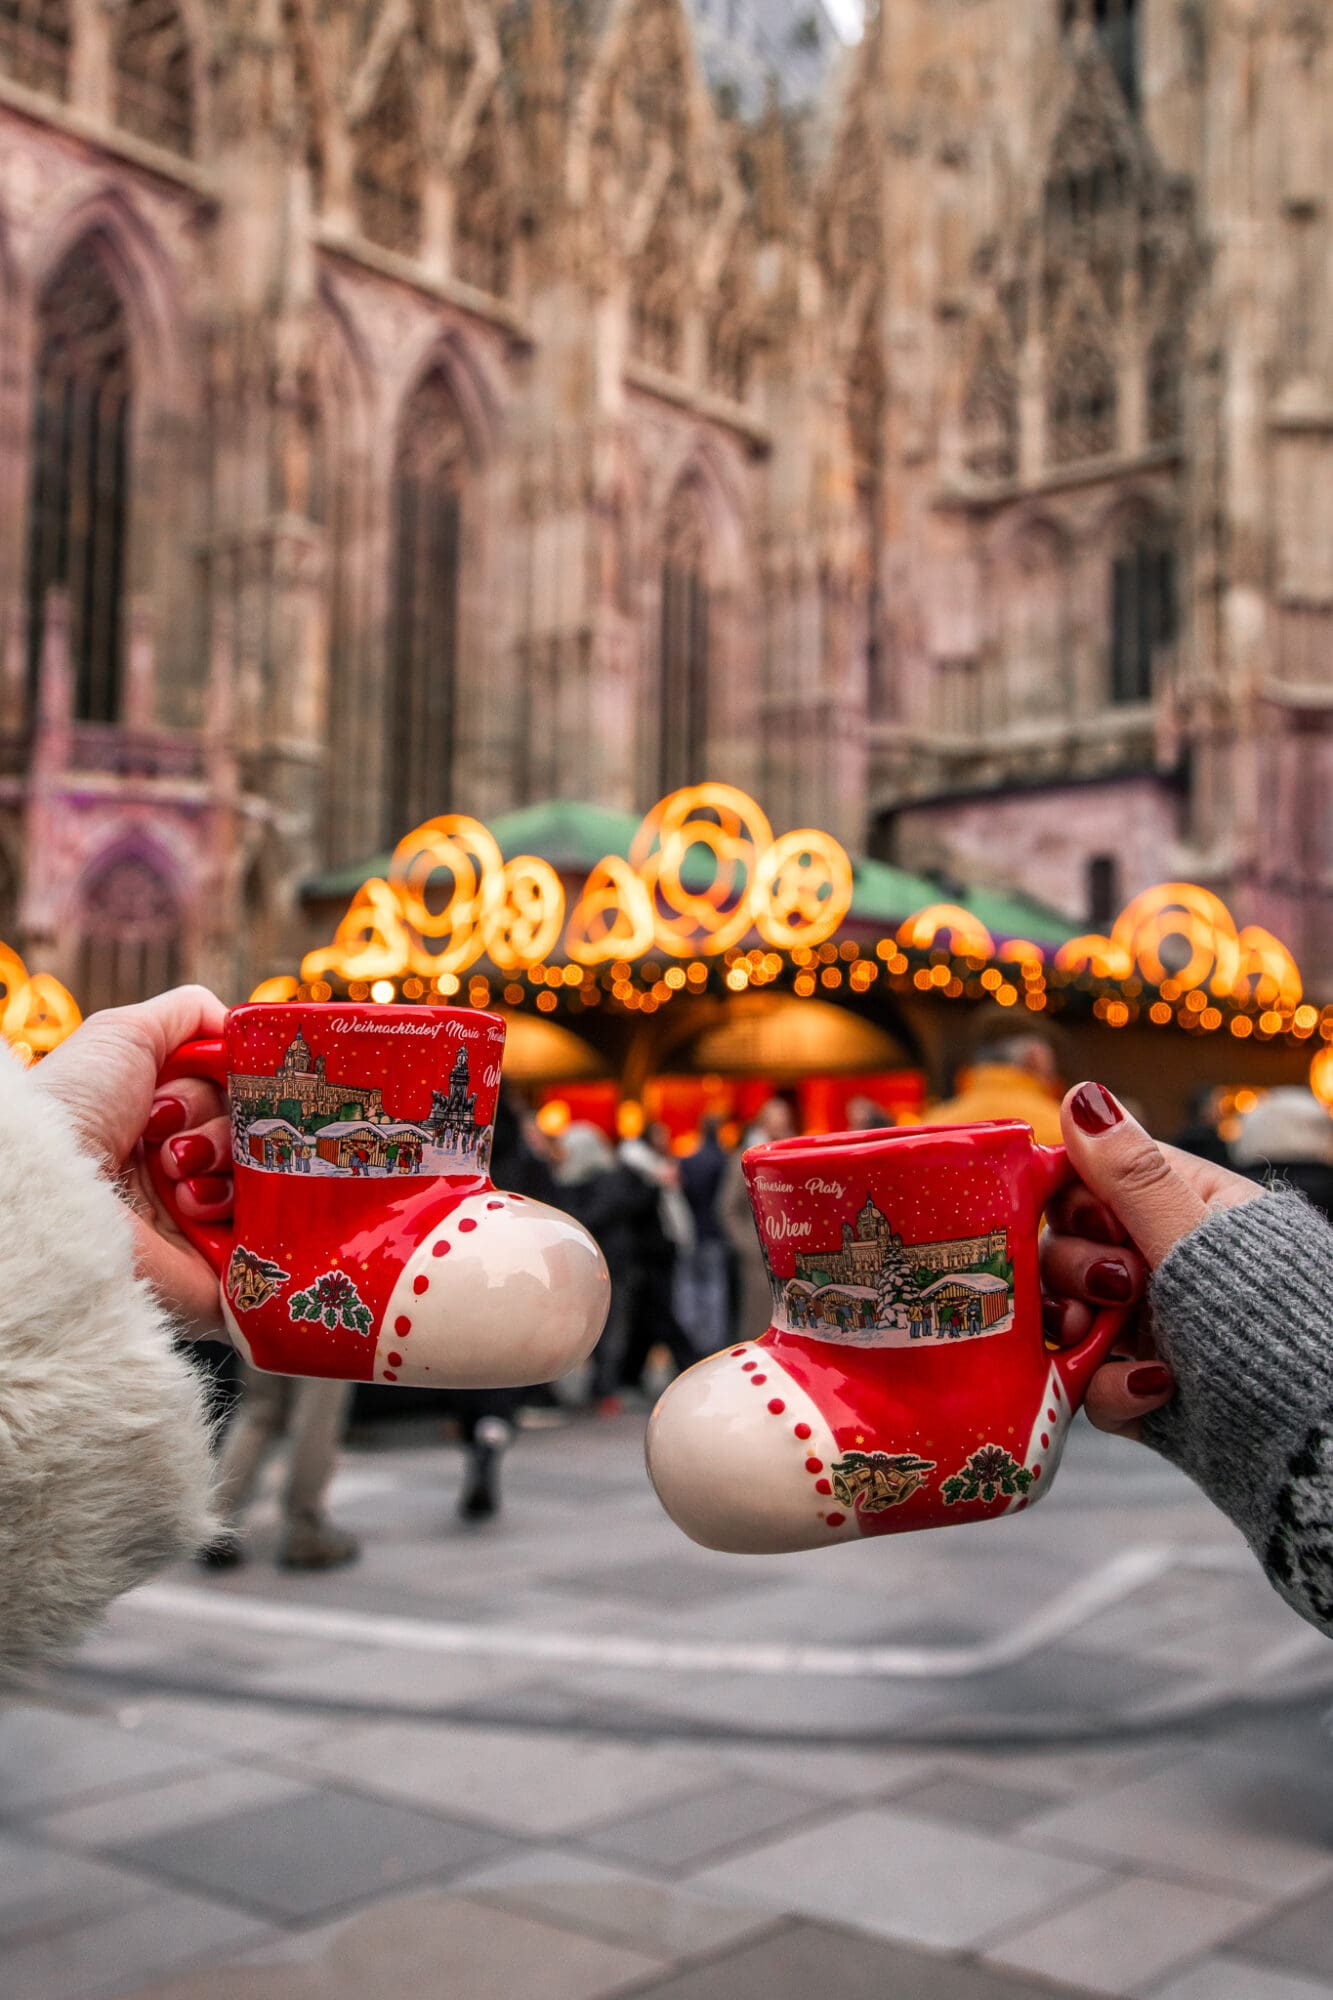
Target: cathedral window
[[1083, 402], [1143, 618], [686, 618], [79, 495], [483, 219], [35, 37], [154, 86], [130, 935], [430, 475], [990, 417], [389, 171], [1164, 388], [1115, 27], [657, 282]]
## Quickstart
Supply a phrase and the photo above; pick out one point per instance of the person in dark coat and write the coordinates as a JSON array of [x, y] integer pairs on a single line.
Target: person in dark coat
[[703, 1277]]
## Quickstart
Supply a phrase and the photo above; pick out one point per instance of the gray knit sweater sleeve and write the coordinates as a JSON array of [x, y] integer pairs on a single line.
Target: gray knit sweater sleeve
[[1243, 1311]]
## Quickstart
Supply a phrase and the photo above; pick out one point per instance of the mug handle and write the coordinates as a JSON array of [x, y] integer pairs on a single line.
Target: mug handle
[[214, 1241], [1077, 1365]]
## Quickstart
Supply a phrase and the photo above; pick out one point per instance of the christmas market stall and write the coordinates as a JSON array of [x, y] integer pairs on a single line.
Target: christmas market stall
[[696, 959]]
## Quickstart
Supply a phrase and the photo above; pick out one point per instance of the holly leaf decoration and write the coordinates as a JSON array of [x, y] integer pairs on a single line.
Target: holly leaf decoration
[[334, 1300], [990, 1474]]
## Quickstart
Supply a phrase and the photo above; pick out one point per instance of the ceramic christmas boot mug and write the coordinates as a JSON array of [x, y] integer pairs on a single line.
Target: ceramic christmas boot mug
[[367, 1241], [904, 1382]]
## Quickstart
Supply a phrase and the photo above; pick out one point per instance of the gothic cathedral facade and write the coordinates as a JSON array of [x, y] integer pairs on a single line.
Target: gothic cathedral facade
[[427, 405]]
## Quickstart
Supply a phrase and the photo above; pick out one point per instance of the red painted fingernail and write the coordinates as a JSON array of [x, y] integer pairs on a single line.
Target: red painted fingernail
[[167, 1116], [1109, 1281], [192, 1154], [1092, 1225], [1053, 1318], [1094, 1109], [209, 1190], [1153, 1379]]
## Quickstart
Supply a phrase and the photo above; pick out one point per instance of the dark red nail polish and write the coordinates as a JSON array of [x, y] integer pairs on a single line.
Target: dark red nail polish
[[1092, 1224], [209, 1189], [1109, 1281], [1153, 1379], [192, 1154], [1095, 1110], [1053, 1319], [167, 1116]]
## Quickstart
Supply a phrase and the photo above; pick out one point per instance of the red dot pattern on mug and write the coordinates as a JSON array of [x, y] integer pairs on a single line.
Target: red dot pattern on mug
[[454, 1224], [801, 1433]]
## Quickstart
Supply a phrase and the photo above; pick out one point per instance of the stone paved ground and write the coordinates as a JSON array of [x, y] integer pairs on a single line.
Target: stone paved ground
[[571, 1756]]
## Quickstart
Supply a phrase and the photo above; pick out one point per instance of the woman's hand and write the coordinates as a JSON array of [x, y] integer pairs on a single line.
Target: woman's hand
[[105, 1075], [1133, 1201]]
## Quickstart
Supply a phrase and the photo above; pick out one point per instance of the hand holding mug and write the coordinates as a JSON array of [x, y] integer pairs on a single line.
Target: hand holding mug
[[105, 1076], [1132, 1202]]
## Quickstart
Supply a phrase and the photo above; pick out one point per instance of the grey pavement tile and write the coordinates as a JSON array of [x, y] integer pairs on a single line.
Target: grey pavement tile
[[40, 1887], [1228, 1978], [1078, 1771], [972, 1802], [317, 1852], [845, 1774], [524, 1782], [806, 1960], [1299, 1937], [685, 1832], [885, 1871], [48, 1755], [1061, 1682], [245, 1728], [1125, 1935], [570, 1703], [1215, 1817], [382, 1677], [418, 1948], [116, 1952], [685, 1579], [1302, 1736], [588, 1895], [748, 1705], [129, 1817]]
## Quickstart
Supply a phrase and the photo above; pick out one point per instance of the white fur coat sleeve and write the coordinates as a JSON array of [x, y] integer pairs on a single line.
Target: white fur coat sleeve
[[104, 1456]]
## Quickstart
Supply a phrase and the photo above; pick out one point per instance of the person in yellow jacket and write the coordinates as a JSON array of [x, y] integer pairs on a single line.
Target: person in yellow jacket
[[1013, 1077]]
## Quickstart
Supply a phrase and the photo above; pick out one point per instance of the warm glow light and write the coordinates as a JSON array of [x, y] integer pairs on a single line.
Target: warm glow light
[[383, 991], [1321, 1077], [1021, 951], [38, 1014], [1100, 956], [524, 924], [801, 889], [371, 942], [275, 991], [719, 832], [554, 1117], [613, 917], [966, 934], [629, 1119]]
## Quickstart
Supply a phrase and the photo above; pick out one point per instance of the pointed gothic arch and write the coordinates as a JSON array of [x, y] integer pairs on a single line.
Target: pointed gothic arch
[[36, 40], [1082, 396], [130, 928], [659, 285], [389, 172], [990, 412], [485, 223], [79, 494], [1036, 664], [1164, 387], [432, 463], [154, 74], [685, 638]]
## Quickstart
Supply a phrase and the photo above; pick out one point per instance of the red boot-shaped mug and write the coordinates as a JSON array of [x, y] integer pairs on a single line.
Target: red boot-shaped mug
[[368, 1241], [904, 1381]]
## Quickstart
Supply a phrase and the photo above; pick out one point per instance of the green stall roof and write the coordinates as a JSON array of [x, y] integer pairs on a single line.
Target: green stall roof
[[573, 837]]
